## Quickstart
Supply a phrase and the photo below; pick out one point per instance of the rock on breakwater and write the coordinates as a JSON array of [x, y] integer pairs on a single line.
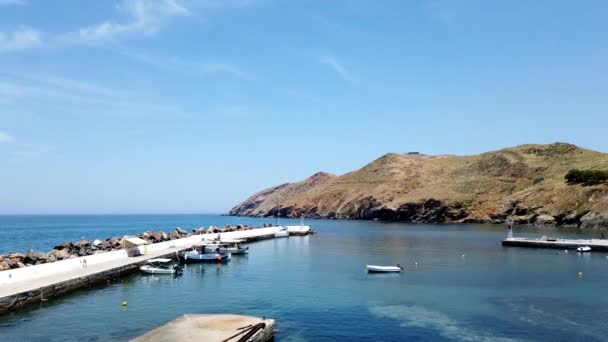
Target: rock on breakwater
[[68, 250]]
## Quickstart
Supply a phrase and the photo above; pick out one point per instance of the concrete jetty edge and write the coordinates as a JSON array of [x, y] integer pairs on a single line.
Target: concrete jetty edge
[[33, 284]]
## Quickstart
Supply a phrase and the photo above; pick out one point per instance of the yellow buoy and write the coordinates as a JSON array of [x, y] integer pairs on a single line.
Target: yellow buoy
[[124, 303]]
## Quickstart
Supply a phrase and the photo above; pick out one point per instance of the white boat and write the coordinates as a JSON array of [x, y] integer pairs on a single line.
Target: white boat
[[584, 249], [383, 269], [160, 266], [205, 252], [232, 246], [283, 232]]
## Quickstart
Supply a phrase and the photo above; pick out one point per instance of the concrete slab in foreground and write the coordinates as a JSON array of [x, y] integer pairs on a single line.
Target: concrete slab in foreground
[[212, 328]]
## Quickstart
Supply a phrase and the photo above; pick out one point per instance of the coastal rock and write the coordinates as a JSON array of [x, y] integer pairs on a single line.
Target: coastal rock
[[105, 245], [33, 257], [50, 257], [115, 242], [59, 254], [523, 219], [593, 220], [15, 256], [97, 242], [12, 263], [544, 220], [82, 244], [153, 236], [4, 266], [199, 231], [68, 246]]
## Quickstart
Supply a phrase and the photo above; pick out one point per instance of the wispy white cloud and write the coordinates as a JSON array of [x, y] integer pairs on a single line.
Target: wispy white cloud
[[189, 67], [23, 92], [144, 17], [141, 18], [6, 138], [73, 85], [337, 67], [12, 2], [20, 39]]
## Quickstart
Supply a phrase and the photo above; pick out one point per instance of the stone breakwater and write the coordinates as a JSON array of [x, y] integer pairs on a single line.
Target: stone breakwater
[[82, 248]]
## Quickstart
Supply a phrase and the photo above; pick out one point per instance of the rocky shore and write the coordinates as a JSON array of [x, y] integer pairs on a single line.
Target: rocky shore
[[82, 248], [436, 211]]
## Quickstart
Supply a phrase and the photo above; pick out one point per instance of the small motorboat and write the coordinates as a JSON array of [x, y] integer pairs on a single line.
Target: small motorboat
[[281, 233], [383, 269], [583, 249], [205, 252], [233, 247], [161, 266]]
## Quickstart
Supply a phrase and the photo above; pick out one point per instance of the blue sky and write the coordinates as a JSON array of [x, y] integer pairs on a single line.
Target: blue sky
[[135, 106]]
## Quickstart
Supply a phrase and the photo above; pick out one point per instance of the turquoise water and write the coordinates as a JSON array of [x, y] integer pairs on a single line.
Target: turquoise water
[[459, 284]]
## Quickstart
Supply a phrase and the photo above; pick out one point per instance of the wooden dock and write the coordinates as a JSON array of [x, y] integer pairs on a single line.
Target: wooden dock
[[33, 284], [597, 245], [213, 328]]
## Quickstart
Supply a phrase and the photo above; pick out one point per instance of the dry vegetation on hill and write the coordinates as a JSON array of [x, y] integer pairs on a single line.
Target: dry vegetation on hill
[[524, 183]]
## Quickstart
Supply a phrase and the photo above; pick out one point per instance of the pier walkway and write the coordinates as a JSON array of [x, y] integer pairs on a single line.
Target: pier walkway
[[213, 328], [83, 272], [19, 287], [598, 245]]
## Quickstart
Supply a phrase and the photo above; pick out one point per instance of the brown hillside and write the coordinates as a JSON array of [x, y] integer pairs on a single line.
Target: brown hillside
[[523, 183]]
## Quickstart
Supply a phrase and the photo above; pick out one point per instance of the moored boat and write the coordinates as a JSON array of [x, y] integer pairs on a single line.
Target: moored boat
[[583, 249], [383, 269], [161, 266], [205, 252], [232, 246]]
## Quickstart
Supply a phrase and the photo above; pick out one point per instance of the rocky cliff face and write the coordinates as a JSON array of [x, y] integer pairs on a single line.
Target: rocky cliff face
[[523, 183]]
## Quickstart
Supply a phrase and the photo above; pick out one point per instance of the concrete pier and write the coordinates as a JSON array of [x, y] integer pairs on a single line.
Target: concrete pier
[[32, 284], [597, 245], [213, 328]]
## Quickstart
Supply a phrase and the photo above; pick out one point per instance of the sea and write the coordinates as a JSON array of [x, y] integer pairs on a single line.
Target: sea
[[459, 283]]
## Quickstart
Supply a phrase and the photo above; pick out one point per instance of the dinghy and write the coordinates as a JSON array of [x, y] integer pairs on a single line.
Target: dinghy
[[383, 269], [584, 249], [160, 266]]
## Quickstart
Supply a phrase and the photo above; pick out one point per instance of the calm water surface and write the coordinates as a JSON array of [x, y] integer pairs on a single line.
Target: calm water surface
[[459, 284]]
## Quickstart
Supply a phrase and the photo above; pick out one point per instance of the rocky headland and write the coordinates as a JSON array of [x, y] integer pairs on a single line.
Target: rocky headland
[[523, 184]]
